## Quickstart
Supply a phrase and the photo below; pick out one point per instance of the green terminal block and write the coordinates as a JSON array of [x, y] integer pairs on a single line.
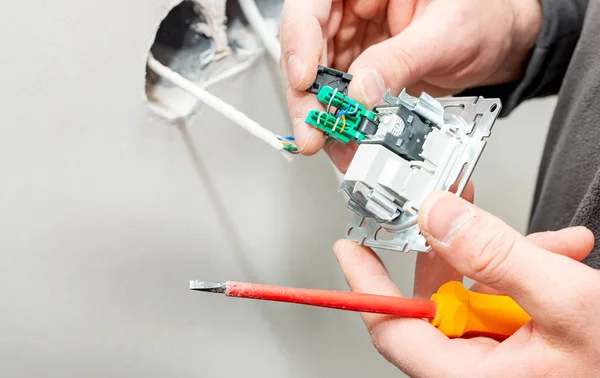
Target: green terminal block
[[343, 125], [334, 127]]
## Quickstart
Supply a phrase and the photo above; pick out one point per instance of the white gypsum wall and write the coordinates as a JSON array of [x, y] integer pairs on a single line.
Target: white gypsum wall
[[106, 212]]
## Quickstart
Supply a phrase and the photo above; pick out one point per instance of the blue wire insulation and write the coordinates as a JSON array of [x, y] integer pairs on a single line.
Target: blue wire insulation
[[346, 111]]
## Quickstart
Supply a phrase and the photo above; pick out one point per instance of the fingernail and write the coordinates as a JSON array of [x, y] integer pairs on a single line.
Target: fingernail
[[296, 70], [446, 216], [370, 85]]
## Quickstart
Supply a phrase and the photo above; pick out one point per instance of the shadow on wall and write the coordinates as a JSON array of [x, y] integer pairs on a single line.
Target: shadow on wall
[[299, 260]]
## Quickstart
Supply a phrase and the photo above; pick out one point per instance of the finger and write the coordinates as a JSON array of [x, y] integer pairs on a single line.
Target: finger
[[336, 15], [431, 270], [341, 154], [365, 273], [573, 242], [432, 90], [302, 45], [347, 39], [484, 289], [302, 39], [401, 341], [468, 193], [400, 19], [485, 249], [403, 60], [376, 31], [308, 139], [330, 50], [368, 10]]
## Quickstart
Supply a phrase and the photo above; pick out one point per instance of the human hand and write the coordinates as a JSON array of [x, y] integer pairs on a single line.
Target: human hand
[[440, 47], [432, 271], [541, 273]]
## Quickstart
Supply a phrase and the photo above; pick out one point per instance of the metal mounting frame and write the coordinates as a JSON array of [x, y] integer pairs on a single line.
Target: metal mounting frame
[[403, 234]]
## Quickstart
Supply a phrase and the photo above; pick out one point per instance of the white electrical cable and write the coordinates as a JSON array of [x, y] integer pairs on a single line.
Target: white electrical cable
[[256, 20], [232, 72], [217, 104], [271, 43]]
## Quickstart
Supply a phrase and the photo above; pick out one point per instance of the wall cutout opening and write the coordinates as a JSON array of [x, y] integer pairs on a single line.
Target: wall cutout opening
[[206, 42]]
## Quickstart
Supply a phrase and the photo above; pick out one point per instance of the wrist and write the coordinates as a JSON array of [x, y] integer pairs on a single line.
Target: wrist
[[527, 25], [528, 20]]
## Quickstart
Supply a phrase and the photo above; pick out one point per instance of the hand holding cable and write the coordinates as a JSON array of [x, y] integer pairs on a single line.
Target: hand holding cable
[[440, 47]]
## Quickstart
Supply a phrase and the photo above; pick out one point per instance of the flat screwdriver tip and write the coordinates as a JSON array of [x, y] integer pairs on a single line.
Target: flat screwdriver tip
[[211, 287]]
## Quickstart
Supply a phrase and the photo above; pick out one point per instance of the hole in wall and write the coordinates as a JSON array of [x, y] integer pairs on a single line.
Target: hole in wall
[[205, 41]]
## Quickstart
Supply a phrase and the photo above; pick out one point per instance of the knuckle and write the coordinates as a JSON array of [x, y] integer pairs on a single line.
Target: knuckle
[[296, 29], [288, 32], [585, 300], [375, 332], [379, 336], [491, 254], [463, 16], [292, 100], [290, 23], [405, 66]]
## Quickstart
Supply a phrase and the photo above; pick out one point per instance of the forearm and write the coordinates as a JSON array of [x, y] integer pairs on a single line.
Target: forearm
[[544, 69]]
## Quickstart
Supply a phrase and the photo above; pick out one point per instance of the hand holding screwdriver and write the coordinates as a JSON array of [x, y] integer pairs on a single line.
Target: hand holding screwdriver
[[454, 310], [540, 272]]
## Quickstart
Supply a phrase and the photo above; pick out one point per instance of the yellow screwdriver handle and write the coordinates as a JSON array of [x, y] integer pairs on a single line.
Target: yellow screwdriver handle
[[464, 313]]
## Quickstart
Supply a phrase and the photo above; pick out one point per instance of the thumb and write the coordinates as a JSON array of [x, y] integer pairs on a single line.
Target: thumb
[[403, 60], [432, 271], [485, 249]]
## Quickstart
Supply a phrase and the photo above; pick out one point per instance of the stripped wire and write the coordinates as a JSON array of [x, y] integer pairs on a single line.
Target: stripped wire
[[347, 110], [344, 125], [289, 144], [343, 119], [291, 149]]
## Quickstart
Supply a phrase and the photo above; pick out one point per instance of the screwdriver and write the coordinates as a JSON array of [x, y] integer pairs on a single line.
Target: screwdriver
[[456, 311]]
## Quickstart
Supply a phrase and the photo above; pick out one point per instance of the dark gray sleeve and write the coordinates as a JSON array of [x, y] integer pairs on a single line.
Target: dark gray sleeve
[[561, 27]]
